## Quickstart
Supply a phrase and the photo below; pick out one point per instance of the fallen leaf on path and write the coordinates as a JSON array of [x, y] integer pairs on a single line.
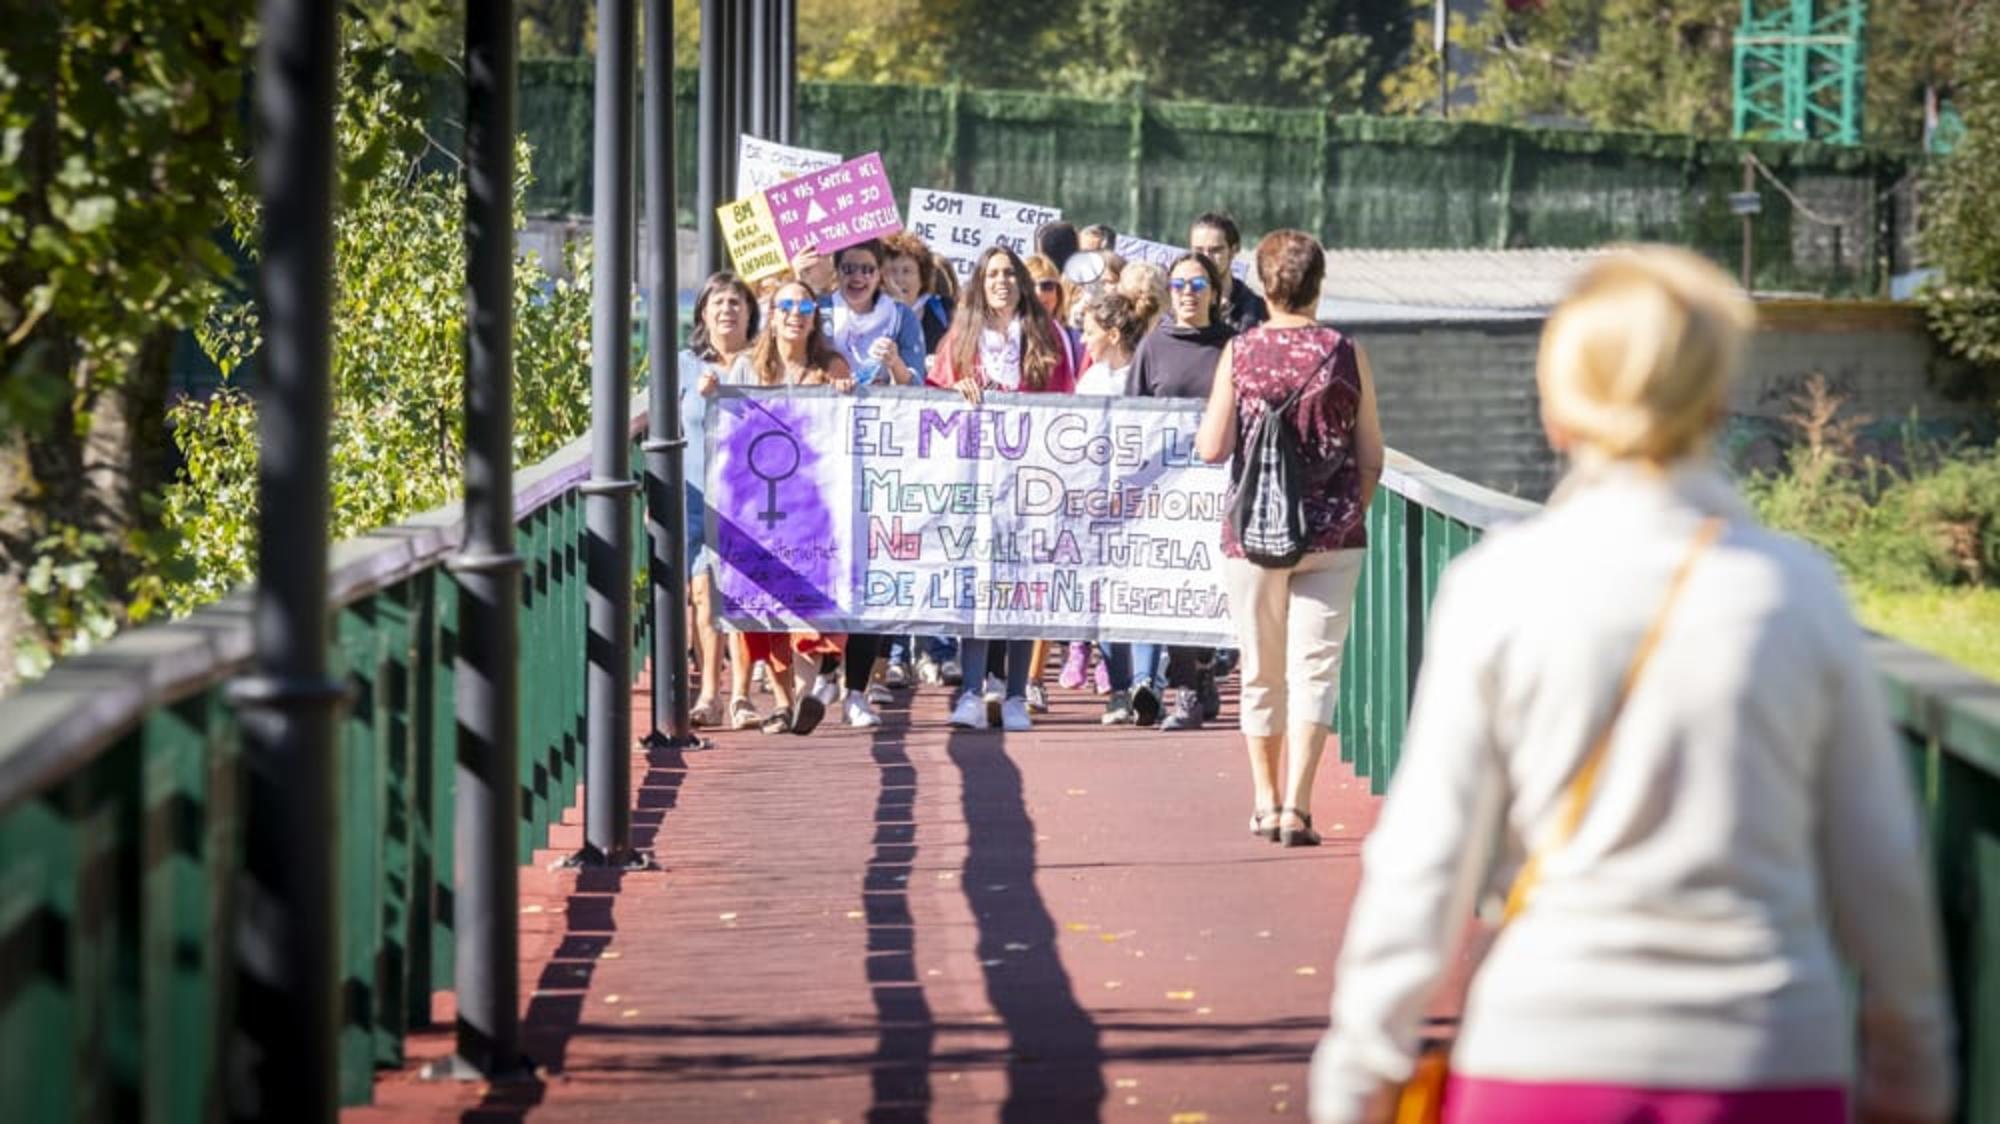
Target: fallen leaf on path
[[1265, 933], [1282, 1087], [1015, 946], [1180, 995], [1079, 926], [1076, 792], [1113, 984], [610, 955], [611, 999], [1307, 970], [855, 915], [1204, 1010], [1188, 1118], [1127, 1083], [531, 909], [727, 916], [631, 1012]]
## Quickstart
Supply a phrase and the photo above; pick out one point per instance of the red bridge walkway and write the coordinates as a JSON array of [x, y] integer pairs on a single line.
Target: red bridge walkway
[[917, 923]]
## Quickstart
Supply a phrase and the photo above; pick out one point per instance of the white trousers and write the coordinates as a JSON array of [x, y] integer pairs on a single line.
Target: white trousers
[[1292, 626]]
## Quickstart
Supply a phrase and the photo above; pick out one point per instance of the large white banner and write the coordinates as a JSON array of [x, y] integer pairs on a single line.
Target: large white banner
[[904, 510]]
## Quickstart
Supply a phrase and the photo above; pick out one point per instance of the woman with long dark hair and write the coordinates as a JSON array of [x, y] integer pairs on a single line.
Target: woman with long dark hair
[[1002, 339]]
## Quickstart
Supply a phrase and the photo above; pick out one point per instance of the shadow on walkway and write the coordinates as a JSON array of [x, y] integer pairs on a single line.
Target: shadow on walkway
[[555, 1010], [900, 1073], [1055, 1060]]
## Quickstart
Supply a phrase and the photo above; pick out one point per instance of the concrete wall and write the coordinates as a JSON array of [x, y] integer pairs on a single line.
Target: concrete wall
[[1461, 396]]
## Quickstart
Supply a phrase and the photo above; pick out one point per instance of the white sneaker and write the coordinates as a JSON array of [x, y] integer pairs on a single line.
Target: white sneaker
[[880, 694], [928, 671], [996, 688], [1038, 699], [827, 689], [970, 713], [859, 713], [1014, 715]]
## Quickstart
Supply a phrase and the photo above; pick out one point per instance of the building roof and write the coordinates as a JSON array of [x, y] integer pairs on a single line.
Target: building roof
[[1376, 286]]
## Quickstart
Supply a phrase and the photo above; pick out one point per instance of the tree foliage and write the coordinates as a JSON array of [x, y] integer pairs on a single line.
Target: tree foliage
[[117, 124], [1962, 214], [398, 357]]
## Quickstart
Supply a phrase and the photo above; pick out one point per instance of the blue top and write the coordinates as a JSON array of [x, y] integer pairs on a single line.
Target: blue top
[[694, 456], [908, 332]]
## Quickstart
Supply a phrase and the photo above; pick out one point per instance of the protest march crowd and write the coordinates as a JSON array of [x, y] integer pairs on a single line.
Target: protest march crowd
[[1680, 916]]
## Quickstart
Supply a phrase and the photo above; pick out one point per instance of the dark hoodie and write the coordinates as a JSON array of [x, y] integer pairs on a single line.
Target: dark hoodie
[[1177, 362]]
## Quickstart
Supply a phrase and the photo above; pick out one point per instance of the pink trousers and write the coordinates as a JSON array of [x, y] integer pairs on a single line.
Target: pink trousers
[[1478, 1100]]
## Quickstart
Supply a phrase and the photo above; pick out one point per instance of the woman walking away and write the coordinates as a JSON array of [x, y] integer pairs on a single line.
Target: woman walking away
[[725, 321], [1180, 362], [793, 352], [1111, 327], [1663, 717], [1002, 339], [1291, 620]]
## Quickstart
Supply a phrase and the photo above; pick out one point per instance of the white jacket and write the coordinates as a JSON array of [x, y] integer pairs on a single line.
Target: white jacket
[[1753, 814]]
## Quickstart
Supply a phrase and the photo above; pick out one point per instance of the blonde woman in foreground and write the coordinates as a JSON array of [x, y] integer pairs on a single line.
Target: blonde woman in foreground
[[1678, 955]]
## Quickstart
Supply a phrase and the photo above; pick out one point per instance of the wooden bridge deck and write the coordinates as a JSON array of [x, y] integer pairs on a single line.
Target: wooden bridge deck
[[916, 923]]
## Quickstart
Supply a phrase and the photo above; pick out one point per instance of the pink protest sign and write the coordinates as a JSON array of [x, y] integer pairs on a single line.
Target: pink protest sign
[[835, 207]]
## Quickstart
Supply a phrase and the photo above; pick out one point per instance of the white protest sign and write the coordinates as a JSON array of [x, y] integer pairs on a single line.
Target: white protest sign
[[1163, 255], [761, 163], [960, 226]]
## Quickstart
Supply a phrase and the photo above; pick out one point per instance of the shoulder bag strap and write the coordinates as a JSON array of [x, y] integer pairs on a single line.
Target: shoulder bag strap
[[1576, 797]]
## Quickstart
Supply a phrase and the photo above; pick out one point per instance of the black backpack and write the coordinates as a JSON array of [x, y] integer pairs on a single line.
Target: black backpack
[[1266, 501]]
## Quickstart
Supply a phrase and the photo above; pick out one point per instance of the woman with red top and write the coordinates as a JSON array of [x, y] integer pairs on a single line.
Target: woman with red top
[[1292, 622], [1001, 339]]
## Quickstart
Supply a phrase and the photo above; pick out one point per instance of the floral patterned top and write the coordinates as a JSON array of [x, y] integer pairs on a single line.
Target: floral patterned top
[[1267, 364]]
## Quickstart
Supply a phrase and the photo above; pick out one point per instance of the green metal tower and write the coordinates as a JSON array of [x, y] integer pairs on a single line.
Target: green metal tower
[[1798, 70]]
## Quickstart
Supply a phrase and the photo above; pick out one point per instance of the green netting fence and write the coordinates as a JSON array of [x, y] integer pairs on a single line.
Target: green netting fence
[[1361, 182]]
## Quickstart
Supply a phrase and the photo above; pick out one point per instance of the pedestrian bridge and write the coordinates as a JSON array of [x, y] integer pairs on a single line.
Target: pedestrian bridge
[[898, 924]]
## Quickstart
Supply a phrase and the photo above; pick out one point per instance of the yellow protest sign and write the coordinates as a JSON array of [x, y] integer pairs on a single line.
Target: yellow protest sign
[[752, 237]]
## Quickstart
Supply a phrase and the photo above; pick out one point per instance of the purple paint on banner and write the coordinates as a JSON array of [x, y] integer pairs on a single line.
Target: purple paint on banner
[[773, 531], [835, 207]]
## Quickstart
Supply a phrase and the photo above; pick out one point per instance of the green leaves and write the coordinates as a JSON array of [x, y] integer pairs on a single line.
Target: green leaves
[[1961, 234]]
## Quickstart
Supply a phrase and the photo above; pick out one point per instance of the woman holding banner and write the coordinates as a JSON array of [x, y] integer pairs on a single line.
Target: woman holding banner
[[725, 321], [1002, 339], [1179, 362], [1292, 622], [1112, 327], [794, 352]]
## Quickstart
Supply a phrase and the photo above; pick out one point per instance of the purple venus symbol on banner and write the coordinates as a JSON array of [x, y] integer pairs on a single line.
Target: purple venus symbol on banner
[[774, 457]]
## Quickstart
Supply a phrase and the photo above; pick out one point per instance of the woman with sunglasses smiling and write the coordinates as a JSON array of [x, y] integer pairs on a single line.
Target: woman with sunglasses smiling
[[1178, 361], [793, 352], [875, 333], [1002, 339]]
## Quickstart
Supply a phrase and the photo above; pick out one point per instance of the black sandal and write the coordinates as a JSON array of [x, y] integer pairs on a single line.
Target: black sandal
[[1298, 836], [1258, 828], [779, 722]]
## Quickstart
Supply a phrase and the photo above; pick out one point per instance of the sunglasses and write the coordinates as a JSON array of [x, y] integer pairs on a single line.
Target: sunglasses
[[1047, 286], [1190, 284], [857, 269], [795, 306]]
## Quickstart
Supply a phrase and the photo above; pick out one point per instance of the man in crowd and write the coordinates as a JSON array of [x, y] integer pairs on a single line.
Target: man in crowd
[[1214, 236]]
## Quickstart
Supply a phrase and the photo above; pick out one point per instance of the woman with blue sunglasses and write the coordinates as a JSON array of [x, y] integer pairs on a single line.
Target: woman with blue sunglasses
[[1178, 361]]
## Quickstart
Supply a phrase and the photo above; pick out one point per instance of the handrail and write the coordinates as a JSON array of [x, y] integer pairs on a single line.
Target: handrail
[[1947, 718], [58, 723]]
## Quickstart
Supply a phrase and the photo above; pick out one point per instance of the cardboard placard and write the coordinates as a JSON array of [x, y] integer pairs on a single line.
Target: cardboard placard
[[752, 238]]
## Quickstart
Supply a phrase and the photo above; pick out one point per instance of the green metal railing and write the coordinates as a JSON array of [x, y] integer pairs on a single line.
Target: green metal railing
[[120, 813], [1949, 719]]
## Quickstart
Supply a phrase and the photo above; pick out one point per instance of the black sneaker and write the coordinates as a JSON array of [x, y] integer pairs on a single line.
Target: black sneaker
[[1210, 694], [1145, 705], [1185, 713]]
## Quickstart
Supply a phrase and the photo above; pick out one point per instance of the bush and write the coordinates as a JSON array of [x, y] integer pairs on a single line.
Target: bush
[[397, 439], [1935, 523]]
